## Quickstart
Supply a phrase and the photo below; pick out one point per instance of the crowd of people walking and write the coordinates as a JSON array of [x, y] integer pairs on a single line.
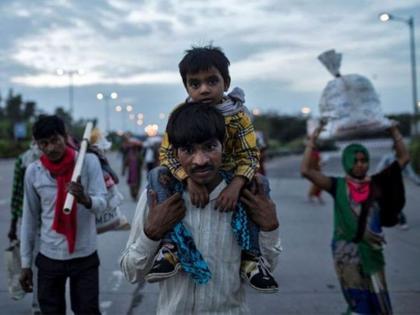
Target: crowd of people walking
[[206, 225]]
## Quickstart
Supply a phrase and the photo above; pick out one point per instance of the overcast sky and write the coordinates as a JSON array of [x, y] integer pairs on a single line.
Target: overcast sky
[[133, 48]]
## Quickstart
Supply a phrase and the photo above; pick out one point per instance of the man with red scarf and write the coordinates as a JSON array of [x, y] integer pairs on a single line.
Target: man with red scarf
[[67, 241]]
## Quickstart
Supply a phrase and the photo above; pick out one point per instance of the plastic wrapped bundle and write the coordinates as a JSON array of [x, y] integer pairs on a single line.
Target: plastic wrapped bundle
[[112, 219], [349, 103]]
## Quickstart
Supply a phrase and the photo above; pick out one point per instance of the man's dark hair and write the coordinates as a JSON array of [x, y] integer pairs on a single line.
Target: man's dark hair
[[193, 123], [47, 126], [199, 59]]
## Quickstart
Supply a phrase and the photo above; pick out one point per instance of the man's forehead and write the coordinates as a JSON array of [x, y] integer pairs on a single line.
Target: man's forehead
[[206, 142], [52, 137]]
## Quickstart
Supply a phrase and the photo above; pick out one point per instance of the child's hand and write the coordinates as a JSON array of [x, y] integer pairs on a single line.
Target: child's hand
[[228, 198], [198, 194]]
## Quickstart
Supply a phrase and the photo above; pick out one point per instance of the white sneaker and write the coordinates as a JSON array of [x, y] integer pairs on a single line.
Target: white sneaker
[[403, 226]]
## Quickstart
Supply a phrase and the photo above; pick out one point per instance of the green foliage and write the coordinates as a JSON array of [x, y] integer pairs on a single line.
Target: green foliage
[[15, 110], [116, 140], [65, 116], [11, 149], [283, 128], [415, 153]]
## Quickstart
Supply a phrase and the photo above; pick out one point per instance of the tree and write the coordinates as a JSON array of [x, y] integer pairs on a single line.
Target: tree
[[283, 128], [29, 110], [13, 107], [65, 116]]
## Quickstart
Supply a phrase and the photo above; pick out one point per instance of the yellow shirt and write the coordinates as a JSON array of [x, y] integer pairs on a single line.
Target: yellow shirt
[[240, 155]]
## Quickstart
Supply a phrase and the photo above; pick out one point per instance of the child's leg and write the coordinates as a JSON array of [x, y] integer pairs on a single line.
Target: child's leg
[[162, 182], [165, 263], [254, 229], [254, 268]]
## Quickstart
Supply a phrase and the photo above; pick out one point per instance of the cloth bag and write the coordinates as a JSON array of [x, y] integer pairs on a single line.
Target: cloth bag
[[349, 103], [112, 219], [13, 268]]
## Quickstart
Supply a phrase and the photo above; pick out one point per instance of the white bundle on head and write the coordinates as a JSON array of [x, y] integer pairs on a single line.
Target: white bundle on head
[[349, 102]]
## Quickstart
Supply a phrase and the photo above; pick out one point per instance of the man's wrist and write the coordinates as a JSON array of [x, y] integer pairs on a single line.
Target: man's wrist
[[88, 202], [239, 181], [151, 233], [271, 227]]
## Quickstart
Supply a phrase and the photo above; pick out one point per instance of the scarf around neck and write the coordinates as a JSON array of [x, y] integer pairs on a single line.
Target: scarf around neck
[[232, 103], [358, 189], [62, 171]]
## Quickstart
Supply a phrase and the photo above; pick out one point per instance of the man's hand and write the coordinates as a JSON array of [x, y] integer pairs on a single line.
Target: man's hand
[[162, 217], [260, 208], [198, 193], [12, 232], [25, 279], [77, 190], [228, 198]]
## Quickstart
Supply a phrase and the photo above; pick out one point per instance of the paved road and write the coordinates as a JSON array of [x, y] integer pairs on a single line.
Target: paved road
[[305, 271]]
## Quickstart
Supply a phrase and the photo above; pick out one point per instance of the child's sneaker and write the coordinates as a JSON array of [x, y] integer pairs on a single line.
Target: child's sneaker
[[165, 264], [256, 272]]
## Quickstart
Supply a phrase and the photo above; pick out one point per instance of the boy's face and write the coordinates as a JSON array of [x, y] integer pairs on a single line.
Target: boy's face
[[53, 147], [202, 161], [206, 86]]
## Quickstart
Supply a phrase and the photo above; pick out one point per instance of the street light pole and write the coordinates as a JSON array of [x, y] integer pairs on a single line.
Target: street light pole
[[385, 17], [413, 72], [70, 74], [106, 98], [71, 93]]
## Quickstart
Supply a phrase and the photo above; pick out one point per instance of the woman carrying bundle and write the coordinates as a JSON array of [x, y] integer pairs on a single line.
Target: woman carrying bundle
[[362, 205]]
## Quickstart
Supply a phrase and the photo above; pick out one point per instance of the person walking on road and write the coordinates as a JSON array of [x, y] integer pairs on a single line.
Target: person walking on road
[[198, 145], [362, 205], [133, 162], [67, 241], [22, 162]]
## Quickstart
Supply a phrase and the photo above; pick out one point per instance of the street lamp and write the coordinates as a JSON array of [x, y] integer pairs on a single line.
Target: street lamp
[[256, 112], [305, 110], [385, 17], [106, 98], [70, 74]]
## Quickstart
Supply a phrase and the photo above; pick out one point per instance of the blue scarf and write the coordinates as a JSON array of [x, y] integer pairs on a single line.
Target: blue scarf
[[189, 256]]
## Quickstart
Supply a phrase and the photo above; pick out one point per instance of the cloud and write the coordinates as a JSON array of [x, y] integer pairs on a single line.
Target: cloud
[[141, 43], [50, 80]]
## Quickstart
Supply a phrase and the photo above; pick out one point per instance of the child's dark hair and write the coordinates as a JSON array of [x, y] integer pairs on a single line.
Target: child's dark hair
[[193, 123], [47, 126], [203, 58]]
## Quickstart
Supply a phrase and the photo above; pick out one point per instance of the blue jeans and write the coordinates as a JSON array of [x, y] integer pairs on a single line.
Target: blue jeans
[[162, 182]]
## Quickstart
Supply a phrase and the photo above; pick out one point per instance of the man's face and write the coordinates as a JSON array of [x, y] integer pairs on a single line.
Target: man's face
[[206, 86], [202, 161], [360, 167], [53, 147]]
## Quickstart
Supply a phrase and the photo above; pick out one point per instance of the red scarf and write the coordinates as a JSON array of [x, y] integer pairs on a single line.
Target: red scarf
[[358, 189], [62, 171]]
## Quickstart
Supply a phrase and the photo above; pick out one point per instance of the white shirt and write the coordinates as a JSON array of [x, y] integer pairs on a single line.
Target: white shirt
[[214, 238], [39, 206]]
